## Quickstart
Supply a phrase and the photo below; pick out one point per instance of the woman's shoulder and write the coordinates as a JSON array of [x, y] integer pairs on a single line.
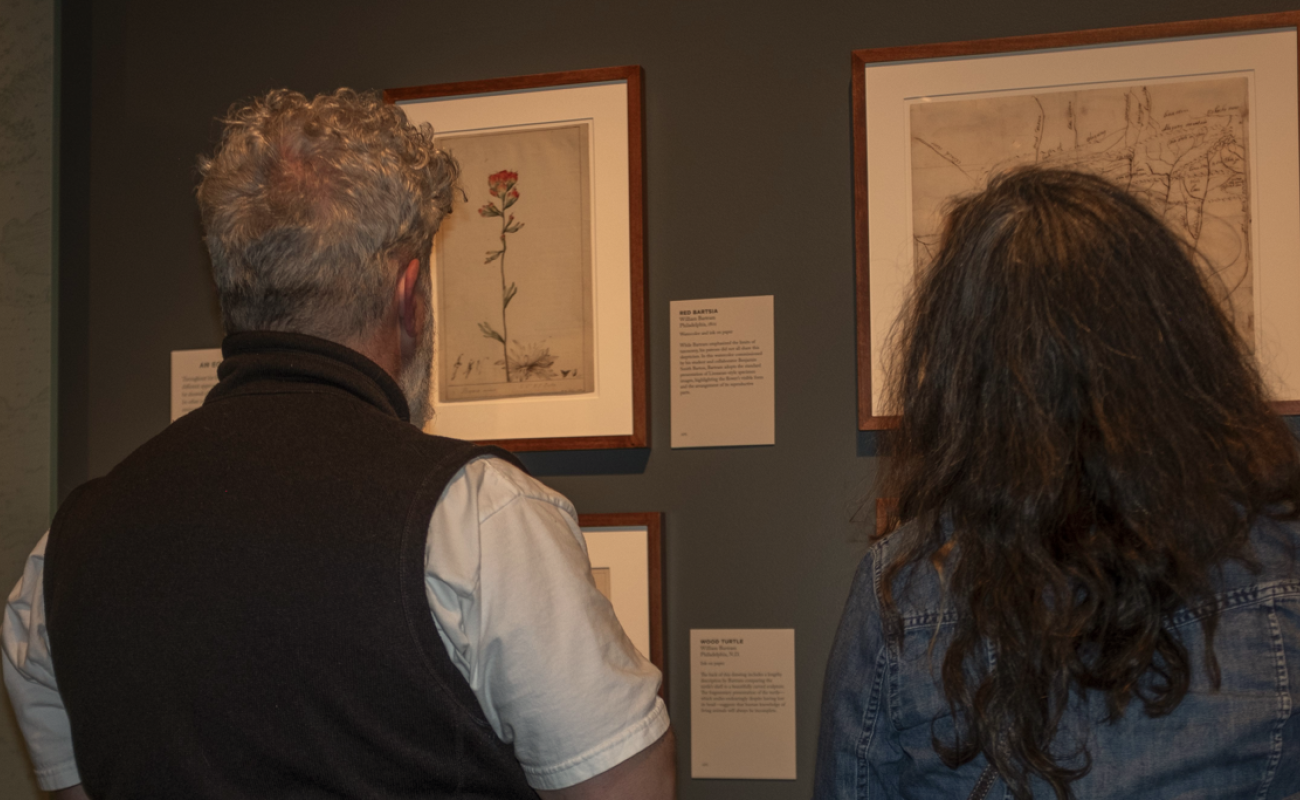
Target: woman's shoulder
[[1273, 556], [916, 586], [1275, 544]]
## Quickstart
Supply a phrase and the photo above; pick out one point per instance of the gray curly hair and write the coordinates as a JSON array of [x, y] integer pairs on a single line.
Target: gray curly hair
[[310, 206]]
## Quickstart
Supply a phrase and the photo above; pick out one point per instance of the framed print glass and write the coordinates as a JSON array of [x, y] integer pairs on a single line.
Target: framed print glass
[[538, 272], [1197, 118]]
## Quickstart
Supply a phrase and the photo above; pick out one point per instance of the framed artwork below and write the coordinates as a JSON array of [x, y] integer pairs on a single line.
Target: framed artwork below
[[1197, 118], [626, 552], [538, 273]]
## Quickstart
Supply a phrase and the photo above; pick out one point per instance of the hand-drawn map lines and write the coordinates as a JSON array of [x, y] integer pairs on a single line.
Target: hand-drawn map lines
[[1181, 146]]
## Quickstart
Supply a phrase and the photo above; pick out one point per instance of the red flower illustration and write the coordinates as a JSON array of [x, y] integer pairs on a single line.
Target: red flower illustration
[[501, 182]]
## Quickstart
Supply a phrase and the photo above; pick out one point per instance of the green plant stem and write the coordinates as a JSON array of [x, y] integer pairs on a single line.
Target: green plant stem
[[505, 328]]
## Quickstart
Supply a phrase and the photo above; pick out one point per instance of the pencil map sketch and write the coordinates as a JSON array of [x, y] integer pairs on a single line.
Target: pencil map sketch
[[1182, 146], [513, 267]]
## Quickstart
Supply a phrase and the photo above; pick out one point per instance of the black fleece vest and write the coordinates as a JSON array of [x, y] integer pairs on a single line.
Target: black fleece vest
[[237, 610]]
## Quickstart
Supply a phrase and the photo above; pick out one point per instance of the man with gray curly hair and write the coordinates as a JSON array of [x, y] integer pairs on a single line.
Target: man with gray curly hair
[[307, 207], [294, 591]]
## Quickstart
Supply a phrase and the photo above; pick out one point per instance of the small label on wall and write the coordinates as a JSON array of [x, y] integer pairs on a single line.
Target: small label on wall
[[742, 704], [194, 373], [722, 372]]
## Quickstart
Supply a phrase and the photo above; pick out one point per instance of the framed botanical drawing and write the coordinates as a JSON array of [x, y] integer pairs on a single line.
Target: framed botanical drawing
[[1198, 118], [626, 552], [538, 273]]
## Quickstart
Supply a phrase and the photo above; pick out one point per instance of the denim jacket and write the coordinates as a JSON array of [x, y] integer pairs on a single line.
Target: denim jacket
[[882, 702]]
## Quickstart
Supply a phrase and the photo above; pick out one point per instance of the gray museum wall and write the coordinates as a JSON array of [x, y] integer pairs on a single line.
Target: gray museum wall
[[26, 332], [749, 191]]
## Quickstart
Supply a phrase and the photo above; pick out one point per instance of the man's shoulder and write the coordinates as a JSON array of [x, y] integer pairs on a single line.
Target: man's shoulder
[[497, 483]]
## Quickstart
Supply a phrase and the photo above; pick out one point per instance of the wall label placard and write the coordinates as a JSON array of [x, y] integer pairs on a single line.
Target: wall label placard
[[723, 372], [194, 373], [742, 704]]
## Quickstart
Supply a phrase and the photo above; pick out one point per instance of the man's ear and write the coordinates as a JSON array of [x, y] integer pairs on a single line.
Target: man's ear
[[409, 305]]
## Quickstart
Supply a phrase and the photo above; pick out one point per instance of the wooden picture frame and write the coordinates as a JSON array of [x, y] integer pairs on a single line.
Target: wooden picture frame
[[630, 547], [564, 152], [930, 117]]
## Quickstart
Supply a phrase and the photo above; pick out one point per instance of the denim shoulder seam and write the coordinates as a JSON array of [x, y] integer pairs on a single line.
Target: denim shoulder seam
[[1236, 598], [1283, 699], [890, 649], [929, 619], [870, 719], [882, 688], [1243, 597]]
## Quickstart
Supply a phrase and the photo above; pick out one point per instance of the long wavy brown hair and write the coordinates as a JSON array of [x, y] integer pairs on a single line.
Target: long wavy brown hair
[[1083, 439]]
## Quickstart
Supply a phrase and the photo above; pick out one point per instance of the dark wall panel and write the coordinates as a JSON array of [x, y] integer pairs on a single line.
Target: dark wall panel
[[749, 191]]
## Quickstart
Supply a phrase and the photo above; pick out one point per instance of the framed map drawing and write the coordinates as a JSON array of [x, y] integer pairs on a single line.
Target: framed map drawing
[[538, 272], [626, 552], [1197, 118]]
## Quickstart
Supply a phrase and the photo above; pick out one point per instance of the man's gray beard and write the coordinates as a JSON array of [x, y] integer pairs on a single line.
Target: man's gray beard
[[415, 378]]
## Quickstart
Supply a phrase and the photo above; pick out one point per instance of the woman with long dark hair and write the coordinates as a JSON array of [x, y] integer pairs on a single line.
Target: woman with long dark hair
[[1094, 592]]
